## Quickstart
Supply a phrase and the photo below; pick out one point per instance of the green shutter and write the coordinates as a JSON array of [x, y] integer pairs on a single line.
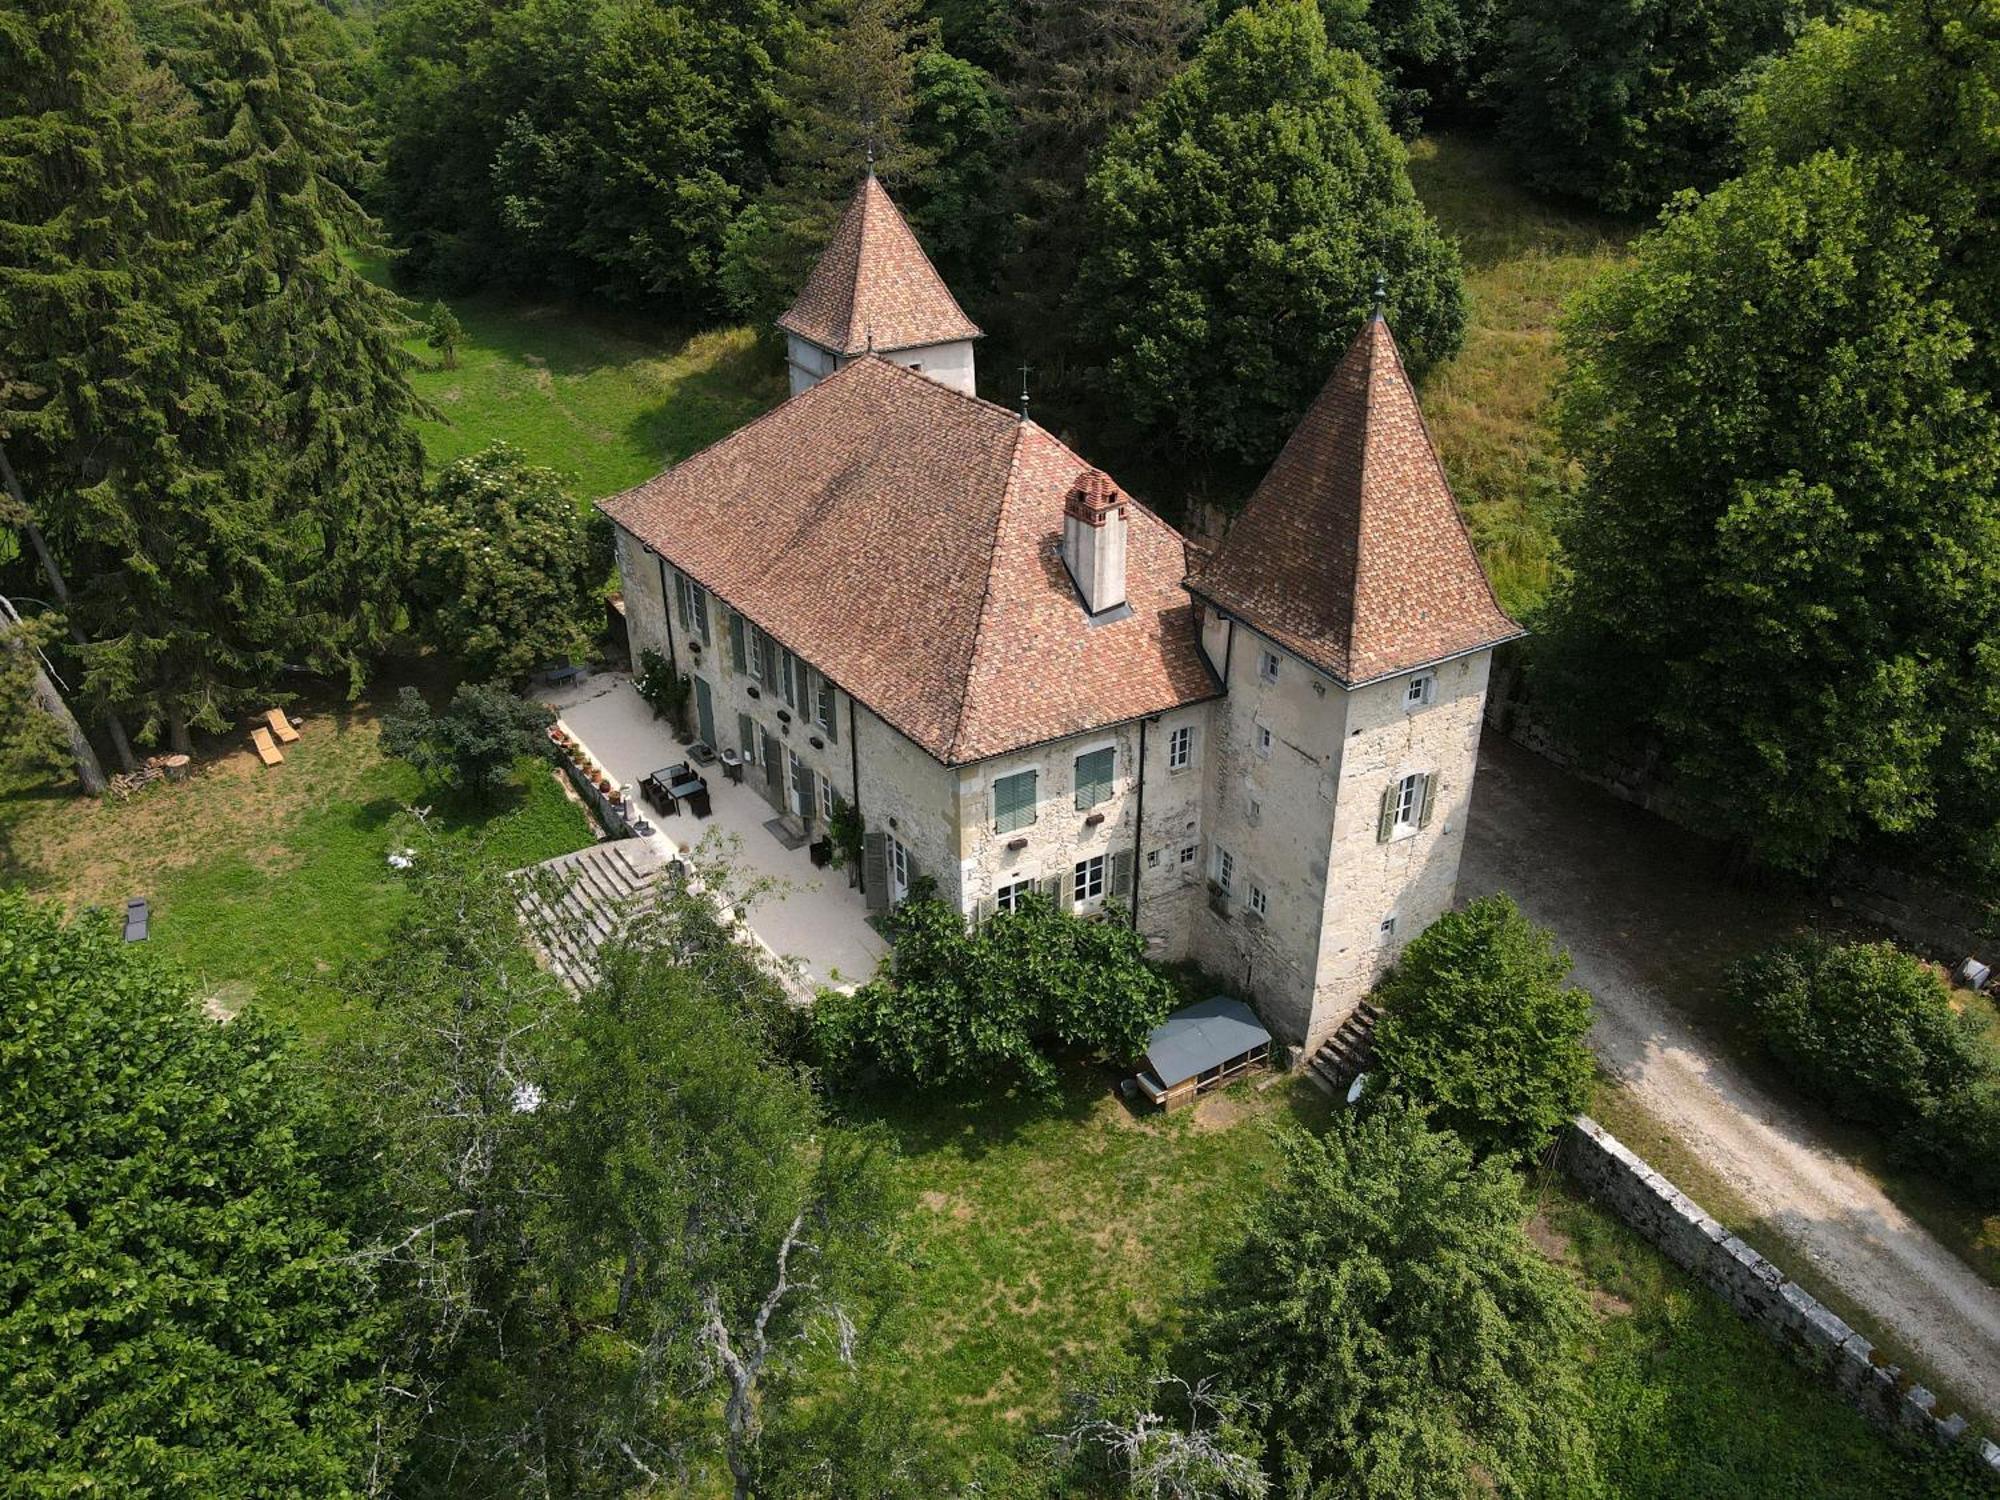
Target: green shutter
[[701, 613], [1385, 824], [739, 654], [746, 737], [1426, 798], [770, 662], [1013, 801], [1093, 777], [1056, 888], [1121, 872], [830, 700], [875, 870]]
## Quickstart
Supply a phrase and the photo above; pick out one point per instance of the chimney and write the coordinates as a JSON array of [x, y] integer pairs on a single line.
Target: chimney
[[1094, 516]]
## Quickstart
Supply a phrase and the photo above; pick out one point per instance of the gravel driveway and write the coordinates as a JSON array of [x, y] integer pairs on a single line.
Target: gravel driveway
[[1644, 912]]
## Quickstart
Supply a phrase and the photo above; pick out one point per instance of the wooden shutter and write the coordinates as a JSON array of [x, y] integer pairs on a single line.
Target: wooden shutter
[[1121, 872], [770, 663], [808, 793], [739, 654], [1056, 888], [1385, 823], [875, 870], [1094, 774], [774, 771], [1013, 801], [746, 737], [1426, 798], [832, 711], [984, 912], [701, 613]]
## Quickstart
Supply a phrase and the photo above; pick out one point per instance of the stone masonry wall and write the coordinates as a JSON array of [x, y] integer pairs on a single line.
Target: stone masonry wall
[[1806, 1329]]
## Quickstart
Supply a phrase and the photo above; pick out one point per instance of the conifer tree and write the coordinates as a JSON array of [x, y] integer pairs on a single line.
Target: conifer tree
[[845, 104]]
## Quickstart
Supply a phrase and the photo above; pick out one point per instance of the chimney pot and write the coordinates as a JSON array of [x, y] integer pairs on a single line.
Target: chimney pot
[[1095, 515]]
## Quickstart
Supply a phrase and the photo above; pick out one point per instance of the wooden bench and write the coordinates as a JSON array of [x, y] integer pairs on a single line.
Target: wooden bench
[[270, 754], [280, 725]]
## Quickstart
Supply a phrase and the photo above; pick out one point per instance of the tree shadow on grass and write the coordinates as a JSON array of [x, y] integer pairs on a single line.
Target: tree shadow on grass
[[973, 1121]]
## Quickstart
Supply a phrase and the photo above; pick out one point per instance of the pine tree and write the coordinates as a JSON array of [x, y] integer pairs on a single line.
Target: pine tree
[[845, 104], [1081, 68], [93, 280], [336, 404]]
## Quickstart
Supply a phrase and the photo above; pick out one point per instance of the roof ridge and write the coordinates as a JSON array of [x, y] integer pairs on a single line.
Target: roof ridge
[[956, 744], [977, 400], [1353, 609], [866, 201]]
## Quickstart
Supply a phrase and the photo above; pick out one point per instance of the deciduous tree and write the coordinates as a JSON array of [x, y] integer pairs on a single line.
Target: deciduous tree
[[179, 1300], [475, 743], [1392, 1328], [1239, 227]]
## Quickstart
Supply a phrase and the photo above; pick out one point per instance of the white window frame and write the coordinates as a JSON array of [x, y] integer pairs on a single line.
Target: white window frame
[[754, 651], [826, 795], [1034, 801], [1388, 928], [1420, 691], [1267, 665], [1189, 852], [1089, 880], [1260, 902], [1180, 747], [1265, 740], [824, 706], [1008, 897], [899, 868], [1409, 805], [1223, 870]]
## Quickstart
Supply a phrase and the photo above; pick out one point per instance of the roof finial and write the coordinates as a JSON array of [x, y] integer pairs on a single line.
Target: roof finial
[[1024, 393], [868, 140], [1381, 295], [871, 338]]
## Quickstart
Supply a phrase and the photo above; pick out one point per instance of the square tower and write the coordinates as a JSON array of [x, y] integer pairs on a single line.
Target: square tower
[[1353, 628]]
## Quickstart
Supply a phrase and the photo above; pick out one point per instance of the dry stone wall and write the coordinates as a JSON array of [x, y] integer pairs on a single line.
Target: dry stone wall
[[1804, 1327]]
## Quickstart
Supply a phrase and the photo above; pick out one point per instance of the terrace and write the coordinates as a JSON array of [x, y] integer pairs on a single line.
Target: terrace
[[811, 916]]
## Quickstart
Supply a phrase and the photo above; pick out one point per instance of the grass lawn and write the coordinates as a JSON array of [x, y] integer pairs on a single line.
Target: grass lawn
[[260, 879], [1487, 407], [604, 399], [1039, 1239]]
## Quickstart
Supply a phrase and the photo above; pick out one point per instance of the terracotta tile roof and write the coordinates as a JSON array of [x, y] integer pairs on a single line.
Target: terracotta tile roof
[[874, 283], [904, 539], [1351, 552]]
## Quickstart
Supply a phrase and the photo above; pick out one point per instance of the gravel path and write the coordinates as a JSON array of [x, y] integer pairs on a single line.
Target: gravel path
[[1644, 913]]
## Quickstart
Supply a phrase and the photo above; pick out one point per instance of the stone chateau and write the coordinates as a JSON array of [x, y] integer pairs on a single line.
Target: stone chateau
[[892, 594]]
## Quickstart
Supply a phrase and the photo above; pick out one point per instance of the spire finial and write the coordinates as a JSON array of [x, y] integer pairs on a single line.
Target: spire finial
[[1381, 295], [1024, 393], [871, 338], [868, 140]]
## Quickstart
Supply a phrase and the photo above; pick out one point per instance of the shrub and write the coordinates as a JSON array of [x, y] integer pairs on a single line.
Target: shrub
[[1870, 1031], [474, 743], [1390, 1324], [962, 1006], [666, 691], [1479, 1029]]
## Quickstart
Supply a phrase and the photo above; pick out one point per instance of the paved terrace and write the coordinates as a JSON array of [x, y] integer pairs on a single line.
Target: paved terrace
[[811, 916]]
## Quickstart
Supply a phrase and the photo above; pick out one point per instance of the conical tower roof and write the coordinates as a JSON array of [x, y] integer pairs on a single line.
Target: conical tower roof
[[874, 287], [1351, 553]]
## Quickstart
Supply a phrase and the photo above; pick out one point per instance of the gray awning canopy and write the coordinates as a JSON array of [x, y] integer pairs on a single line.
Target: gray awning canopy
[[1202, 1036]]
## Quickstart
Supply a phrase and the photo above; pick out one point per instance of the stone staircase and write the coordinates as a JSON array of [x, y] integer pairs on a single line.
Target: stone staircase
[[574, 903], [1346, 1054]]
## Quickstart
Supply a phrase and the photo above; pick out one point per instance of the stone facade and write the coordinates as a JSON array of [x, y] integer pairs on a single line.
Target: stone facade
[[1796, 1320], [1295, 789]]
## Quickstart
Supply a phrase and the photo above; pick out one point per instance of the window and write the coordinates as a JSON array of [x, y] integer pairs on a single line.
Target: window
[[829, 799], [1420, 690], [1009, 897], [1152, 859], [758, 641], [1089, 879], [1188, 852], [823, 707], [1013, 801], [1388, 927], [1264, 740], [899, 869], [739, 651], [1093, 777], [1259, 902], [1253, 812], [1267, 665], [693, 601], [788, 667], [1225, 870], [746, 738], [1406, 806], [1180, 748]]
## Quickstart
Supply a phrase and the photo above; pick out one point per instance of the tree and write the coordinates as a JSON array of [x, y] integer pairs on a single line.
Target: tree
[[442, 331], [38, 733], [501, 562], [1203, 1446], [845, 102], [1907, 86], [1079, 69], [1479, 1030], [475, 743], [975, 1007], [1217, 307], [1624, 105], [178, 1294], [1391, 1326], [1803, 621], [958, 208]]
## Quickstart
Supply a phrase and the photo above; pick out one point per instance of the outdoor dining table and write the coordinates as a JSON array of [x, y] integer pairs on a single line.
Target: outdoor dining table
[[694, 792]]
